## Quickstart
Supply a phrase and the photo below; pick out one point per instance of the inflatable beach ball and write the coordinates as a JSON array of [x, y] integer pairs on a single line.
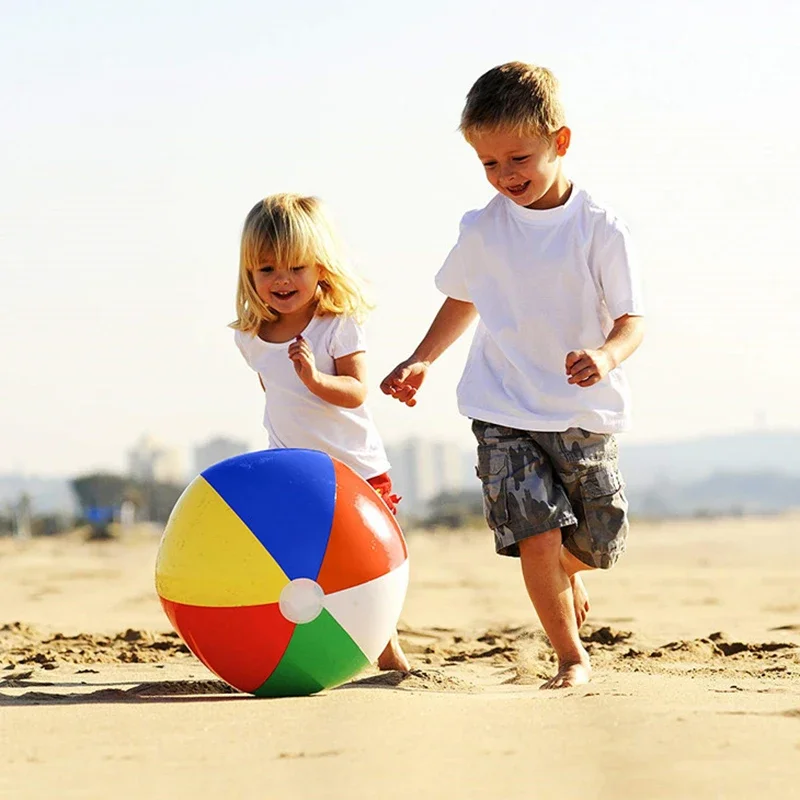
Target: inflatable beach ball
[[283, 571]]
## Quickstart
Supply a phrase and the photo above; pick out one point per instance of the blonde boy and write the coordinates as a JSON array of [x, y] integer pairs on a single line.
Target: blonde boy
[[550, 275]]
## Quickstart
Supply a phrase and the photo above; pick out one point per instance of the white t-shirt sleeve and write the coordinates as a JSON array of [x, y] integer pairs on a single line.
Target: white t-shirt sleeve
[[616, 269], [241, 343], [347, 337], [452, 278]]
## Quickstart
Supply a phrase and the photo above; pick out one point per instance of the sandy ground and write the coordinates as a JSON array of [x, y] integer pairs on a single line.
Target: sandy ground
[[695, 639]]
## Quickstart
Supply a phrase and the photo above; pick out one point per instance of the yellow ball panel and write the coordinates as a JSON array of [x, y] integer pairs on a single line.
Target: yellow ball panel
[[209, 557]]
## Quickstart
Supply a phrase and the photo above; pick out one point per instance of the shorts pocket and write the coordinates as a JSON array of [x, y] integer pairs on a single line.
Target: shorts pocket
[[492, 469], [599, 483], [604, 525]]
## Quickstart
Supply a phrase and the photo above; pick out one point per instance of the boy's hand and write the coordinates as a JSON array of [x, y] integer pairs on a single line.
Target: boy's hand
[[304, 364], [404, 380], [588, 367]]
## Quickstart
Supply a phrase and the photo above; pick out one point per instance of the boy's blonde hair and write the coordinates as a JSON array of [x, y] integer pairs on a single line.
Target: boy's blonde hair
[[517, 96], [289, 230]]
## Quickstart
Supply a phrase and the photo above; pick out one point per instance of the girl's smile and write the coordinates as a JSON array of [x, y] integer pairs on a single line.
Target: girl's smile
[[287, 290]]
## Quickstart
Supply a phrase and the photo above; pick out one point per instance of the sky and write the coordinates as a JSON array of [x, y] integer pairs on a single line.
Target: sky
[[136, 136]]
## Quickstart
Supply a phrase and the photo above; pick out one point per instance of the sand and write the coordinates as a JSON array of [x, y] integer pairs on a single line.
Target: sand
[[695, 639]]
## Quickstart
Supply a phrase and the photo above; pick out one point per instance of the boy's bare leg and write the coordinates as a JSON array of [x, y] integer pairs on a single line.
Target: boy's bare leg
[[550, 590], [573, 567], [393, 657]]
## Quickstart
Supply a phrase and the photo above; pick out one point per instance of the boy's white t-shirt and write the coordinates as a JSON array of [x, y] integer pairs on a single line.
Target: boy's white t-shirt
[[295, 417], [544, 283]]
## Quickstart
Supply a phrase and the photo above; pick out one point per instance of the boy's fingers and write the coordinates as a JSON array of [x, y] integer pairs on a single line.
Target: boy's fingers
[[584, 362], [404, 393], [393, 382], [582, 375], [572, 357]]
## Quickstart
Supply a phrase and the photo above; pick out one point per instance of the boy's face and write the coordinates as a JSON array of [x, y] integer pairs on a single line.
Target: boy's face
[[526, 169]]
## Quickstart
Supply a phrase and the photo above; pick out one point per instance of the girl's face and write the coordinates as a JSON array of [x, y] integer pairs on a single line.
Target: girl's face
[[287, 290]]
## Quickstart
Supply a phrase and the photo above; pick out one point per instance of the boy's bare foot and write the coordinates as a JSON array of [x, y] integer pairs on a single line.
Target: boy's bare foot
[[393, 657], [581, 597], [570, 674]]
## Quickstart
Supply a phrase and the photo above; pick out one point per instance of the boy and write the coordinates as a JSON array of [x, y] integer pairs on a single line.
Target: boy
[[549, 273]]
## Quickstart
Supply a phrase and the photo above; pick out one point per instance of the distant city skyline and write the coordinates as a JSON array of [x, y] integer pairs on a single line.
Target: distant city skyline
[[737, 471], [136, 138]]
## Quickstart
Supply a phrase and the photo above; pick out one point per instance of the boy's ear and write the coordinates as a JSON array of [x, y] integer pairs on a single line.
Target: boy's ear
[[562, 138]]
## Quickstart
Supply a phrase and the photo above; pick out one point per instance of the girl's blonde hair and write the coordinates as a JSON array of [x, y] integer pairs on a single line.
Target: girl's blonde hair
[[290, 230]]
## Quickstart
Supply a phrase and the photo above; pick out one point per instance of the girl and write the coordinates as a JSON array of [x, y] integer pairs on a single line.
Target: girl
[[299, 309]]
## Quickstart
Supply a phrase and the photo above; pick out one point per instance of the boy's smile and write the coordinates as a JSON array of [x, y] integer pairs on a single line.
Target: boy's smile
[[526, 169]]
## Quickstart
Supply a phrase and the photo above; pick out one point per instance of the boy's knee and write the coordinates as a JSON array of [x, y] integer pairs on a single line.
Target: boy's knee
[[547, 543]]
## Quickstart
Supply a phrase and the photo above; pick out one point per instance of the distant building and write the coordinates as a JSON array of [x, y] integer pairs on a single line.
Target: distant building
[[215, 450], [423, 469], [149, 460]]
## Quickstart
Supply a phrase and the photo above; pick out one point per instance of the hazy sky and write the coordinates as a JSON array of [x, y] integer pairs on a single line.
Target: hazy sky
[[136, 136]]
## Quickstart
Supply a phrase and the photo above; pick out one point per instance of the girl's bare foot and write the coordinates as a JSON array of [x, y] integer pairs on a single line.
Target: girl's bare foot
[[570, 674], [581, 597], [393, 657]]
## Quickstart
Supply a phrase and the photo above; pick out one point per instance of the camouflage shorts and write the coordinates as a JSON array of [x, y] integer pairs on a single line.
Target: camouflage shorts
[[534, 482]]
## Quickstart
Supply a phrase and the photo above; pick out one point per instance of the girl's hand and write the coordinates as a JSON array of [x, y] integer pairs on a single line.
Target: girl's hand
[[304, 364], [588, 367]]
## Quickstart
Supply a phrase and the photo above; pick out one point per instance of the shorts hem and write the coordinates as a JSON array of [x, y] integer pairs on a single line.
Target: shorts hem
[[612, 560], [512, 548]]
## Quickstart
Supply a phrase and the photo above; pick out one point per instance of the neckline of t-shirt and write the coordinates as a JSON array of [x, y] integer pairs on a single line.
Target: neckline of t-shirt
[[304, 332], [545, 216]]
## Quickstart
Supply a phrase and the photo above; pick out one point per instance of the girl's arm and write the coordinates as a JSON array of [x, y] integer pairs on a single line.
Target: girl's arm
[[348, 388]]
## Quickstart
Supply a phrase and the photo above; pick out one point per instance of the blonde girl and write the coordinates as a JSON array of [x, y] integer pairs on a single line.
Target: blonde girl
[[300, 310]]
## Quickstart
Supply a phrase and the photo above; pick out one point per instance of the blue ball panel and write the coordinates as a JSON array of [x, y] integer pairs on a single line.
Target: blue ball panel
[[286, 498]]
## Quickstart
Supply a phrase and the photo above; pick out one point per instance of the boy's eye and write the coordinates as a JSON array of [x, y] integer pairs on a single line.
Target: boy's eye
[[489, 164], [520, 159]]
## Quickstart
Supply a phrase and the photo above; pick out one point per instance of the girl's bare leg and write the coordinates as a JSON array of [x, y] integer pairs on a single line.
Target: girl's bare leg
[[393, 657]]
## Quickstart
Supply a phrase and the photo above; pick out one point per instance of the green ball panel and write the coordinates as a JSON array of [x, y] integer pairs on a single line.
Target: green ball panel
[[320, 655]]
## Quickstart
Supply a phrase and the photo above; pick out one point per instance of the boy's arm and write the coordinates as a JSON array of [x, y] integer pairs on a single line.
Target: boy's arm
[[588, 367], [454, 317]]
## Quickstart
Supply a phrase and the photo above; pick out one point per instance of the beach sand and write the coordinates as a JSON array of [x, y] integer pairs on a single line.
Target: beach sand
[[694, 636]]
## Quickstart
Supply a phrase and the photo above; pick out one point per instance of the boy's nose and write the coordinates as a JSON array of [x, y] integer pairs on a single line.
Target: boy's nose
[[507, 172]]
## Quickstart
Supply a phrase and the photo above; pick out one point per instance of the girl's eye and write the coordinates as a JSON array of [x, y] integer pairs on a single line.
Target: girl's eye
[[265, 270], [299, 268]]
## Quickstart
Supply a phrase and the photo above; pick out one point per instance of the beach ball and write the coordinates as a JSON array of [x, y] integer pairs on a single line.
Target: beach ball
[[283, 571]]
